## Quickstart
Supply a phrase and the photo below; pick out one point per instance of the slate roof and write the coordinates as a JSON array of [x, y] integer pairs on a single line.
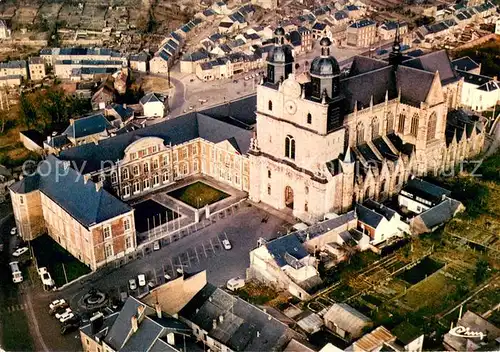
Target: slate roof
[[66, 187], [87, 126], [176, 36], [440, 213], [214, 37], [226, 24], [432, 62], [13, 64], [322, 227], [175, 131], [425, 190], [288, 244], [150, 98], [464, 64], [107, 322], [474, 79], [368, 216], [319, 26], [362, 23], [196, 56], [340, 15], [347, 318], [124, 112], [379, 208], [241, 321], [58, 141], [141, 57], [35, 136], [208, 12], [363, 64]]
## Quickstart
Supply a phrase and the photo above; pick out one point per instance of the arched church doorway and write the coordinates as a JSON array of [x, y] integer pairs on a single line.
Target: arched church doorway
[[289, 197]]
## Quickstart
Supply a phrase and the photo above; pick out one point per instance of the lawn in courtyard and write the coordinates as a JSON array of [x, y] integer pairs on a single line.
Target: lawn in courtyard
[[57, 260], [198, 194], [149, 214]]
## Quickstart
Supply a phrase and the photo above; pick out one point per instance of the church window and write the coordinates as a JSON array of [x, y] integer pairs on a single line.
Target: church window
[[269, 189], [360, 134], [268, 173], [309, 118], [306, 207], [290, 147], [375, 128], [390, 123], [270, 105], [414, 125], [431, 127], [401, 123]]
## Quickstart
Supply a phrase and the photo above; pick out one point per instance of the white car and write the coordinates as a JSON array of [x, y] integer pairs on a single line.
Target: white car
[[66, 317], [20, 251], [13, 231], [47, 279], [57, 303], [156, 246], [132, 284], [167, 277], [226, 244], [235, 283], [63, 313], [142, 279]]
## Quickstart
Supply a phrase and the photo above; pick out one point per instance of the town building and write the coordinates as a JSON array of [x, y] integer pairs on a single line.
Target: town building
[[139, 62], [136, 327], [75, 69], [389, 29], [154, 105], [75, 55], [327, 142], [36, 67], [103, 96], [81, 216], [479, 92], [12, 73], [405, 337], [362, 33], [223, 322], [429, 220], [346, 321], [419, 195]]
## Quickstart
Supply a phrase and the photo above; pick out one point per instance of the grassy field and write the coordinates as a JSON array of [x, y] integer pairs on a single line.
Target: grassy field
[[51, 255], [198, 194], [256, 293]]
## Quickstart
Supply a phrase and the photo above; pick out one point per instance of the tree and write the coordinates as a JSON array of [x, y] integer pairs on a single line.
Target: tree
[[27, 111], [481, 270]]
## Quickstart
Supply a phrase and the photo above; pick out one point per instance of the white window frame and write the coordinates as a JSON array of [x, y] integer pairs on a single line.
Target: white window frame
[[106, 230], [137, 185], [109, 247], [126, 191], [127, 224], [146, 184], [114, 178], [136, 170], [156, 180]]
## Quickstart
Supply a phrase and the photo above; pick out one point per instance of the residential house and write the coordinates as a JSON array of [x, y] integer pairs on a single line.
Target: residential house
[[220, 8], [407, 338], [118, 114], [104, 96], [346, 321], [306, 39], [419, 195], [189, 61], [86, 220], [88, 129], [139, 62], [388, 29], [223, 322], [379, 222], [430, 219], [320, 30], [75, 55], [4, 30], [121, 80], [286, 264], [75, 69], [362, 33], [354, 12], [160, 63], [36, 67], [56, 144], [487, 341], [227, 27], [479, 93], [12, 73], [32, 140], [136, 327], [154, 105], [266, 4]]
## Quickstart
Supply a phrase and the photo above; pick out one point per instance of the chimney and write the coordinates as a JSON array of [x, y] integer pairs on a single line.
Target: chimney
[[86, 177], [214, 324], [134, 323], [171, 339], [96, 323], [221, 318], [98, 186], [140, 311], [158, 310], [71, 122]]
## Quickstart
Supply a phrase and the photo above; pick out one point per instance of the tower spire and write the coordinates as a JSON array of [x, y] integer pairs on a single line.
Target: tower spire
[[395, 56]]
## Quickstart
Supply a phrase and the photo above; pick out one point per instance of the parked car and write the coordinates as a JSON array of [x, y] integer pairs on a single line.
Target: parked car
[[47, 279], [142, 279], [151, 284], [20, 251], [226, 244], [58, 311], [66, 317], [69, 327], [156, 245], [167, 277], [62, 312], [13, 231], [57, 303], [235, 283], [132, 284]]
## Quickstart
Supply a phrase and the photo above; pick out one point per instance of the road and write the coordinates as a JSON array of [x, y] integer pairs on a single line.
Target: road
[[177, 102]]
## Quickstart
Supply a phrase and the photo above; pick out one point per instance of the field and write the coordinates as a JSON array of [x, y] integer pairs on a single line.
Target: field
[[198, 194]]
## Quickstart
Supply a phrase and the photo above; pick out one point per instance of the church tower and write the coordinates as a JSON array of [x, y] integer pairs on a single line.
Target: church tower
[[280, 59], [395, 57]]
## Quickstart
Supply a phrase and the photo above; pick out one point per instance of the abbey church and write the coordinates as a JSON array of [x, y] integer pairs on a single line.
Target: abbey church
[[325, 139]]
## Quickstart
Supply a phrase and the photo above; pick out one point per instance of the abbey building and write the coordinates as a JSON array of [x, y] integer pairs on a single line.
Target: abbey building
[[325, 140]]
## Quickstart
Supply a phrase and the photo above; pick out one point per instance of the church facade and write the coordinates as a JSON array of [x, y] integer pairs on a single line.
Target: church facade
[[325, 140]]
